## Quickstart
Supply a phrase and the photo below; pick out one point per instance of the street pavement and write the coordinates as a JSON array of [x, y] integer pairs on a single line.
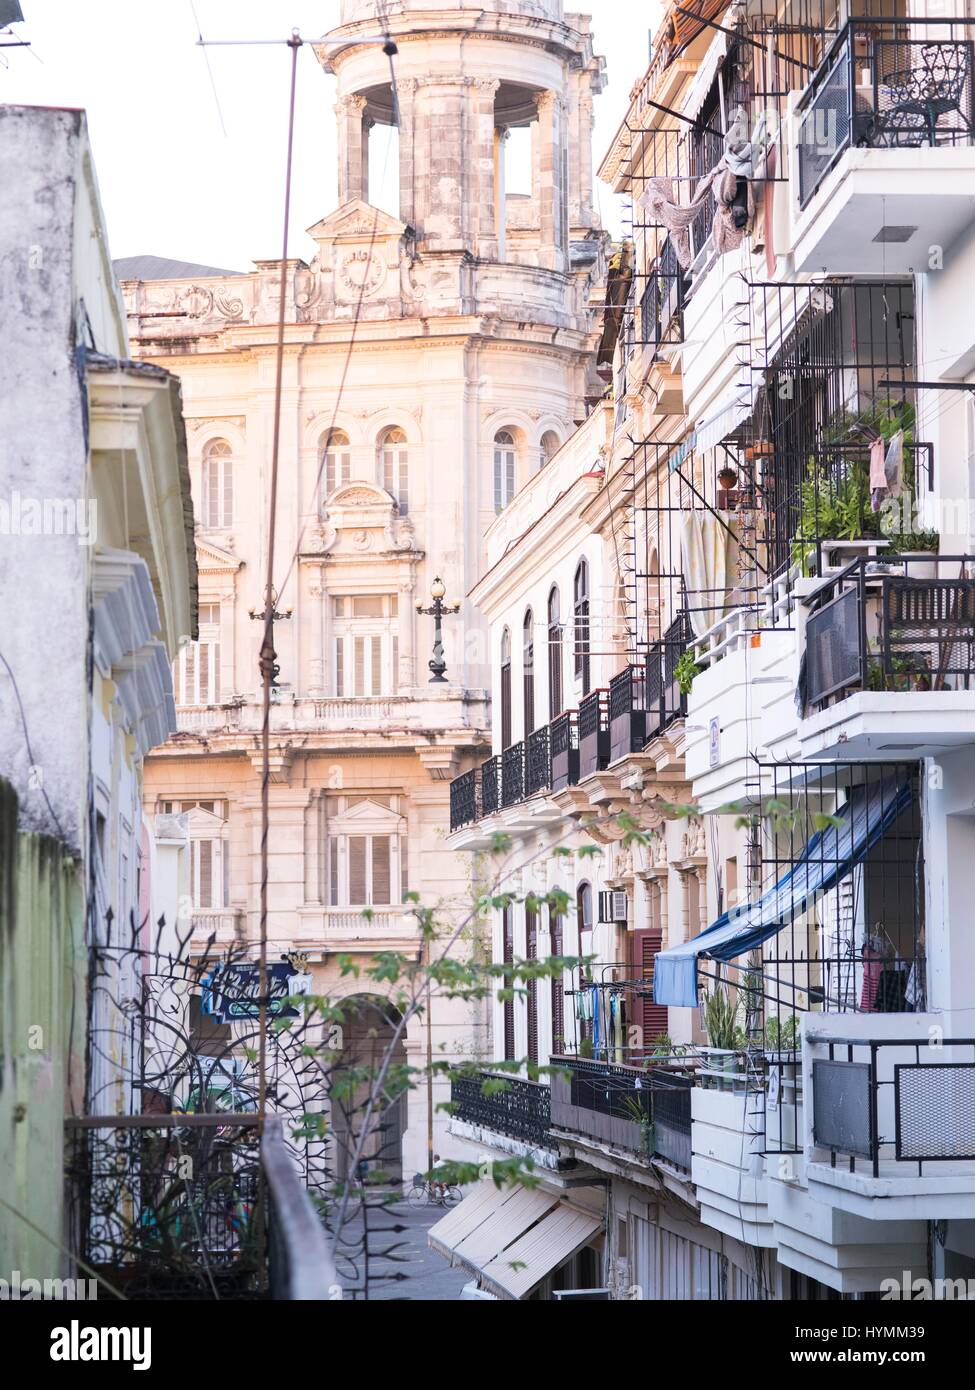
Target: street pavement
[[419, 1273]]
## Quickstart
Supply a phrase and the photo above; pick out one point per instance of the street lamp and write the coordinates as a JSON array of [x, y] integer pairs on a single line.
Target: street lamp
[[437, 611], [271, 615]]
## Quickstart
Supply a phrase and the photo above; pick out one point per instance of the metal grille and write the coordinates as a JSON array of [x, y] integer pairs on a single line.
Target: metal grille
[[593, 733], [833, 655], [627, 717], [929, 629], [672, 1117], [491, 786], [465, 799], [538, 761], [564, 751], [842, 1107], [521, 1110], [513, 774], [935, 1110]]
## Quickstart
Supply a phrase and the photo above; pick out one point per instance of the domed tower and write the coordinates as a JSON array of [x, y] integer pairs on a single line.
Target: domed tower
[[465, 79]]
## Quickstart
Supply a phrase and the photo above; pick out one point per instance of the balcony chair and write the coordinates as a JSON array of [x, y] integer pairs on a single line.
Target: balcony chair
[[916, 98]]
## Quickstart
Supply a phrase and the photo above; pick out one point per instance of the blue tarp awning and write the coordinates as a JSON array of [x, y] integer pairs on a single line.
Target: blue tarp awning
[[827, 858]]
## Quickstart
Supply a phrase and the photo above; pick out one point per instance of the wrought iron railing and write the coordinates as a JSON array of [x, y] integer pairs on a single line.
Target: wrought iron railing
[[593, 733], [907, 623], [662, 301], [538, 761], [520, 1109], [491, 786], [664, 699], [627, 712], [564, 746], [645, 1111], [465, 799], [513, 774], [887, 84], [894, 1101]]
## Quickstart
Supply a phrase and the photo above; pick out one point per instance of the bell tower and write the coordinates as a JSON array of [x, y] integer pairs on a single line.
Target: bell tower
[[473, 87]]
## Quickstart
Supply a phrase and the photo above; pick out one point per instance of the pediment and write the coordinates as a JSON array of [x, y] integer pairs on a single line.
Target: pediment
[[202, 823], [372, 814], [357, 221], [215, 557], [353, 496]]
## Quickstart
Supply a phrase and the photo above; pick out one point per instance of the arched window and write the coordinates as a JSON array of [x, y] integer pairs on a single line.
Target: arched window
[[580, 614], [394, 466], [218, 485], [528, 669], [506, 689], [504, 469], [336, 461], [548, 448], [554, 655]]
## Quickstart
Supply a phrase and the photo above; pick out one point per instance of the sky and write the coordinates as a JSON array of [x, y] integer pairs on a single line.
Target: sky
[[191, 165]]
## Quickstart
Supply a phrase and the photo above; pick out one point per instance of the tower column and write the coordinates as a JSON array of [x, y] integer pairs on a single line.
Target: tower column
[[406, 98], [353, 149], [442, 144], [489, 214], [551, 181]]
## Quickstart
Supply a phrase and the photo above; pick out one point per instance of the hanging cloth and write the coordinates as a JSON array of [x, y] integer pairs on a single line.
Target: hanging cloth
[[709, 549]]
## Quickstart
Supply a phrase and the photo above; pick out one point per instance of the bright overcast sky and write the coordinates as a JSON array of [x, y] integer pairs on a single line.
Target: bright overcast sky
[[172, 183]]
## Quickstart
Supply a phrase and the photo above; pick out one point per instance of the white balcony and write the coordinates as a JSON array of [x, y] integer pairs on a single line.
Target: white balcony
[[890, 661], [742, 703], [890, 1127], [884, 164], [405, 715], [325, 930], [727, 1165]]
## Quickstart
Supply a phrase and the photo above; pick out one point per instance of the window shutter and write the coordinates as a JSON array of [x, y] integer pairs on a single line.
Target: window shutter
[[357, 870], [649, 1017], [333, 871], [404, 484], [228, 492], [531, 953], [205, 888], [189, 674], [339, 666], [377, 666], [360, 665], [404, 867], [558, 988], [509, 1005], [506, 705], [381, 870]]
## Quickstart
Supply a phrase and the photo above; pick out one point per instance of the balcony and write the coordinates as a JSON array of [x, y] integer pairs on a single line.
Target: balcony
[[593, 733], [538, 761], [225, 927], [564, 746], [662, 301], [642, 1113], [510, 1106], [892, 1126], [627, 713], [884, 159], [491, 786], [665, 702], [890, 659], [465, 799], [513, 775]]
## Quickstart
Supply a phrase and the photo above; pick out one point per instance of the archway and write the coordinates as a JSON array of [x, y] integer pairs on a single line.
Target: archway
[[366, 1035]]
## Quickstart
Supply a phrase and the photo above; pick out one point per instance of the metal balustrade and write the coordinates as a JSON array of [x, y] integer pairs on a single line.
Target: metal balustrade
[[627, 712], [645, 1111], [538, 761], [898, 1101], [564, 750], [491, 786], [892, 625], [513, 775], [887, 84], [593, 733], [520, 1109], [465, 799]]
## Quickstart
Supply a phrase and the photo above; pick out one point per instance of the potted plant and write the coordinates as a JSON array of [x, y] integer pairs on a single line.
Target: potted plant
[[721, 1025], [685, 670]]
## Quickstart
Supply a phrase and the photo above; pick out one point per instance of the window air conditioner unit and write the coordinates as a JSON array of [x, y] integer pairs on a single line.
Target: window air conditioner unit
[[612, 907]]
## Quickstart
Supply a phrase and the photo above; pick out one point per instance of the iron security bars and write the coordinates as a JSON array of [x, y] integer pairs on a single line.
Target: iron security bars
[[888, 84], [856, 945], [891, 625], [538, 761]]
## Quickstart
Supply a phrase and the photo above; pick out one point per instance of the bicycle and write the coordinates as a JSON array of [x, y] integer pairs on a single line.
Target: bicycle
[[433, 1194]]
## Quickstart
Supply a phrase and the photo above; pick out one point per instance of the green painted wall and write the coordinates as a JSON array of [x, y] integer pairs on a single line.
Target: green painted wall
[[42, 1017]]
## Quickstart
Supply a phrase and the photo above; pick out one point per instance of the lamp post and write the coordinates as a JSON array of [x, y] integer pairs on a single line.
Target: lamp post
[[271, 615], [437, 611]]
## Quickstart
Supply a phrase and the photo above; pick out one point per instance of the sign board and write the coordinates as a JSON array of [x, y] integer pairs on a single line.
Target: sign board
[[232, 992], [714, 741]]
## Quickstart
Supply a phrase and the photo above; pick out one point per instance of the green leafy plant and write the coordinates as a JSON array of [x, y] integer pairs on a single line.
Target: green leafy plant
[[782, 1036], [721, 1019], [685, 671]]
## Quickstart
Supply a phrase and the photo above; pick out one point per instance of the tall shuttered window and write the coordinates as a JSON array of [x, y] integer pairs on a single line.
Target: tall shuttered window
[[504, 469], [528, 670], [196, 671], [336, 461], [506, 689], [580, 615], [394, 467], [554, 655], [508, 947], [556, 923], [531, 953], [218, 485], [365, 645]]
